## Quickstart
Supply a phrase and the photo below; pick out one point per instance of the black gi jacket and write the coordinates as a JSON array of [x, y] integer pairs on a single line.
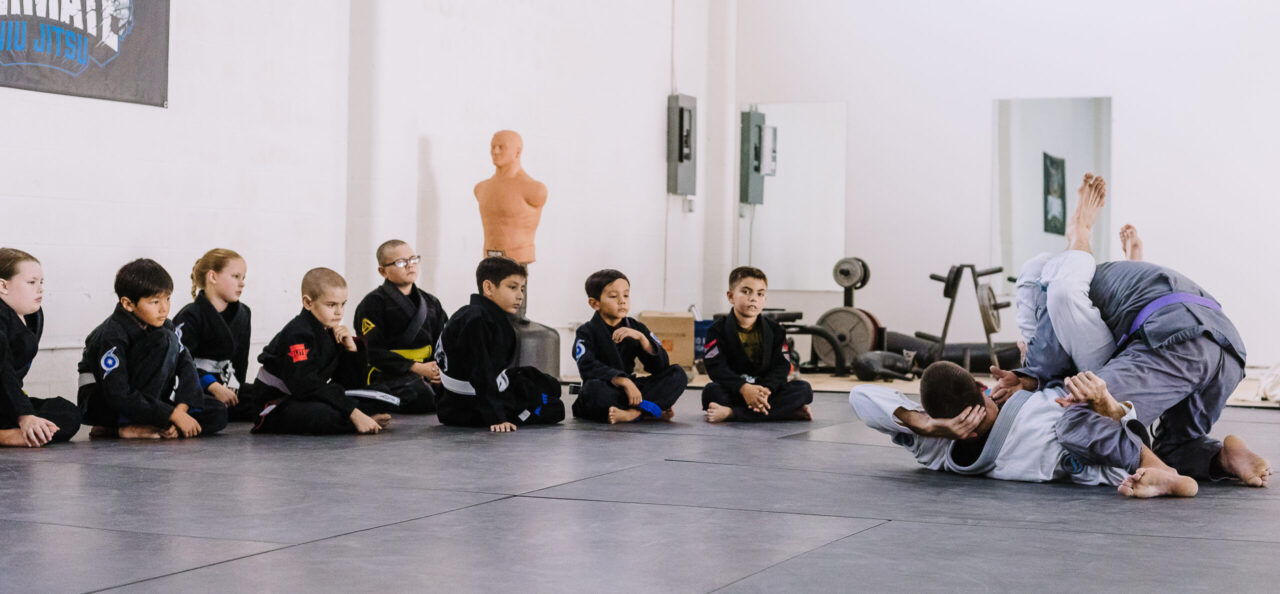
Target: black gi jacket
[[384, 318], [602, 359], [477, 346], [139, 371], [311, 364], [727, 362], [207, 334], [18, 345]]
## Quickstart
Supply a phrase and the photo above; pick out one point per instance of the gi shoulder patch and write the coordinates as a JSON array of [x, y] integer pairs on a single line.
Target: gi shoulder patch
[[365, 326], [298, 353], [579, 349], [713, 351], [109, 362]]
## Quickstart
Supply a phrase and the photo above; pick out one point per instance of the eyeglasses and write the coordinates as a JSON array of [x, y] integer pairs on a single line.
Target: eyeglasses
[[404, 262]]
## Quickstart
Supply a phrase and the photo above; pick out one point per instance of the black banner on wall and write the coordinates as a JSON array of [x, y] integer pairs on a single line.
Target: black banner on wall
[[105, 49]]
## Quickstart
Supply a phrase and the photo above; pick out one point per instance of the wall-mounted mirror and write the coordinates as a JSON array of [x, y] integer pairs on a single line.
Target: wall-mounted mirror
[[798, 233], [1043, 149]]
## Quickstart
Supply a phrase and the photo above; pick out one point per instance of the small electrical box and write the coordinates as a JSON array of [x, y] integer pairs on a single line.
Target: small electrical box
[[682, 150], [751, 170]]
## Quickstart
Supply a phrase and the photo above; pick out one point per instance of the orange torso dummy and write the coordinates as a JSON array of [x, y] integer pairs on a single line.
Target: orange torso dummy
[[510, 202]]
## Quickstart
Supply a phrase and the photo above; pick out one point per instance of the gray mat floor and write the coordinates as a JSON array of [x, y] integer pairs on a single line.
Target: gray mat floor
[[649, 507]]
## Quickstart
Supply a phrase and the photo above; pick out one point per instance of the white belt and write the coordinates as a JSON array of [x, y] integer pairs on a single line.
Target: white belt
[[374, 395], [224, 370], [266, 377], [457, 386]]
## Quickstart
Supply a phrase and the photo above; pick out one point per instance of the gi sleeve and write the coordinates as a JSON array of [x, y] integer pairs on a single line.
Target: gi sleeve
[[112, 375], [875, 405], [717, 362], [371, 318], [1098, 440], [241, 357], [188, 329], [487, 375], [189, 389], [584, 353], [15, 402], [779, 364], [1046, 359], [659, 359], [302, 371]]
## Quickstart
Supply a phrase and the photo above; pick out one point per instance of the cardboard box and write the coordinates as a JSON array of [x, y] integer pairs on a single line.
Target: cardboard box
[[675, 330]]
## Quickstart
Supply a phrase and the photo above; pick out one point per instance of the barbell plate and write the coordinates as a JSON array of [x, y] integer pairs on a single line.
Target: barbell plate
[[853, 329]]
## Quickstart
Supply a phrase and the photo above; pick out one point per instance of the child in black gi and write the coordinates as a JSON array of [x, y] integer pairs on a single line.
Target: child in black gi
[[606, 349], [476, 352], [137, 380]]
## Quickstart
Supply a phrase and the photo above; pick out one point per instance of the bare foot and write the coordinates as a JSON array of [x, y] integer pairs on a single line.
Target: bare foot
[[139, 432], [1158, 482], [622, 415], [99, 431], [717, 413], [1092, 195], [804, 414], [383, 420], [667, 415], [1131, 242], [1239, 461], [12, 438]]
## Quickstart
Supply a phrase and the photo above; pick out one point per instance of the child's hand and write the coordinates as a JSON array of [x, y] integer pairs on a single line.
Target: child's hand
[[183, 422], [36, 431], [429, 371], [502, 427], [363, 423], [622, 334], [757, 397], [224, 394], [629, 388], [345, 337]]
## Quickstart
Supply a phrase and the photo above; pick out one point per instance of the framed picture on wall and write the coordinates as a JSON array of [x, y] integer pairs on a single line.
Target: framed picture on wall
[[1055, 195]]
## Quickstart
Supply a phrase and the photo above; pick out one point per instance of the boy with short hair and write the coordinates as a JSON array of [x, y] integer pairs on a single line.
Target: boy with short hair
[[137, 380], [476, 351], [746, 360], [606, 350], [308, 363], [400, 324]]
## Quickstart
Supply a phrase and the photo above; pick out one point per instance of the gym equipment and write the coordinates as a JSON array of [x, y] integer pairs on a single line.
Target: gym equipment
[[970, 355], [988, 307], [856, 331], [881, 365]]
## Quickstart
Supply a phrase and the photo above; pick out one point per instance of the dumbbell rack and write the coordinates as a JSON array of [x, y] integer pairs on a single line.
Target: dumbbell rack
[[988, 307]]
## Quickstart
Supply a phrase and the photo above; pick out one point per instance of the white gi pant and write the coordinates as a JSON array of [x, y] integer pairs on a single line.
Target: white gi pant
[[1065, 277]]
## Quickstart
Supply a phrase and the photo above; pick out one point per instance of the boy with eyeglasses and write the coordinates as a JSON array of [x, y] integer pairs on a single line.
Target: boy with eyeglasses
[[400, 324]]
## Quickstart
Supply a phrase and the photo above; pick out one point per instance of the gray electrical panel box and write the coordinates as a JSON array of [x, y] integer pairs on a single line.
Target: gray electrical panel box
[[751, 171], [682, 150]]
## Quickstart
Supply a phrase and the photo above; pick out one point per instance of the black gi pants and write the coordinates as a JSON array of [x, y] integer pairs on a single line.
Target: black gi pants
[[784, 402], [661, 389]]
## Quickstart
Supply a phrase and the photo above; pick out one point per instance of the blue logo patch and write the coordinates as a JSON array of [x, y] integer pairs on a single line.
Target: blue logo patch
[[1070, 464], [109, 362], [579, 349]]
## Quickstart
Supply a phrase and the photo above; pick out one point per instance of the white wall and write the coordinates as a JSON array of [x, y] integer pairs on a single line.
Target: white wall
[[585, 83], [249, 155], [1074, 130], [1193, 142]]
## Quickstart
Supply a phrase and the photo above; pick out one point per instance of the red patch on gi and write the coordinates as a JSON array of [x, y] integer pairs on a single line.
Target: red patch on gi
[[298, 353]]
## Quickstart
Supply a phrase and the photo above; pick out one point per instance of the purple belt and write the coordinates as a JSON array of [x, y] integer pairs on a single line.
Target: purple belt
[[1163, 302]]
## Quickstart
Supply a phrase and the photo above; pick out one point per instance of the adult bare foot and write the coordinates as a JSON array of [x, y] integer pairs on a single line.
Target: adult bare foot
[[1158, 482], [1131, 242], [622, 415], [804, 414], [139, 432], [1092, 195], [1239, 461], [717, 413], [383, 419]]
